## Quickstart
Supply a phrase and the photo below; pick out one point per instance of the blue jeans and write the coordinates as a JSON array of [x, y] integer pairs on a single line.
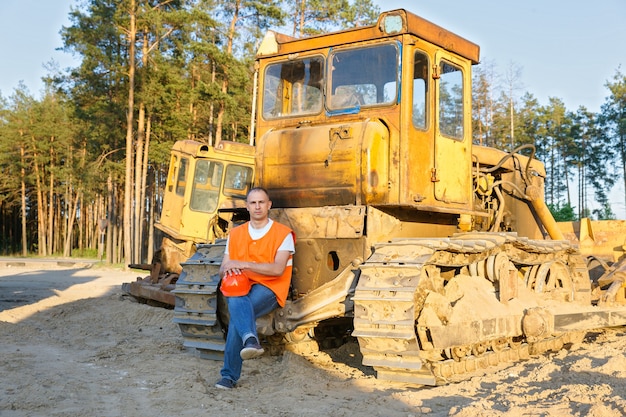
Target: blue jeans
[[243, 313]]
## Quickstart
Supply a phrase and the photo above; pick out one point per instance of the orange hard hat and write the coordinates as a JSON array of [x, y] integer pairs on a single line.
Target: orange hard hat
[[235, 285]]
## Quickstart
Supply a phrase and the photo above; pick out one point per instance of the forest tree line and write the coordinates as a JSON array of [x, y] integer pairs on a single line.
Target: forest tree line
[[83, 166]]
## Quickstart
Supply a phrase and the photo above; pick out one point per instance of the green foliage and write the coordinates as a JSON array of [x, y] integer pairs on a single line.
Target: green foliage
[[88, 253], [312, 17], [612, 121], [563, 213], [604, 213]]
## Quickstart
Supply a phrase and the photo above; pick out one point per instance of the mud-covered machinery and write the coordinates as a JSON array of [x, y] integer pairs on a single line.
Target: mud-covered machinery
[[204, 194], [438, 255]]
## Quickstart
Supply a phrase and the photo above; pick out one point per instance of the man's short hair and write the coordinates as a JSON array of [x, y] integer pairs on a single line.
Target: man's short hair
[[258, 189]]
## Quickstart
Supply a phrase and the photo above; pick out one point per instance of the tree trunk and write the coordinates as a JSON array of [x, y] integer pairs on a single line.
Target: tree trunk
[[68, 218], [191, 135], [144, 178], [51, 202], [139, 191], [212, 106], [72, 204], [128, 185], [59, 228], [101, 226], [81, 223], [139, 154], [41, 214], [110, 218], [24, 234], [302, 13], [567, 187], [229, 50], [298, 21], [119, 241], [150, 254]]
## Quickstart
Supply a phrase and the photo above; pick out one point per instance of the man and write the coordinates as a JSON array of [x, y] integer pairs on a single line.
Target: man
[[262, 251]]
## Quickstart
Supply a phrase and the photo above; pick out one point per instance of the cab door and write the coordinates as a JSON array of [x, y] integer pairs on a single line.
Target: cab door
[[452, 165]]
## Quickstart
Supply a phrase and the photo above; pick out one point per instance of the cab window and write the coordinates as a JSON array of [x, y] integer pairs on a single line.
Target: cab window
[[450, 100], [206, 185], [237, 180], [293, 88], [365, 76], [181, 179], [420, 90]]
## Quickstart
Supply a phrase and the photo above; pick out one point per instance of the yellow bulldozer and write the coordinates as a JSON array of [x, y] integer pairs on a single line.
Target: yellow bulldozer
[[204, 195], [439, 256]]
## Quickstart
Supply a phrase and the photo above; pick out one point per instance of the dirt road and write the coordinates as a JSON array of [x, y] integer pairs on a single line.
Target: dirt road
[[73, 345]]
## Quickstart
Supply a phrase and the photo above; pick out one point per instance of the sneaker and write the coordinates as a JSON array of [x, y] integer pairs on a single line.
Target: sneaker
[[251, 349], [225, 383]]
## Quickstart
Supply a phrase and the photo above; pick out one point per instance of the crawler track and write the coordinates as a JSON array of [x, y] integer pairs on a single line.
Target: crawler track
[[428, 311], [196, 311]]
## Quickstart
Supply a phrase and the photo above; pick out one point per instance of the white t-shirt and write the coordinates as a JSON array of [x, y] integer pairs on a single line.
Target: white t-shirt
[[256, 234]]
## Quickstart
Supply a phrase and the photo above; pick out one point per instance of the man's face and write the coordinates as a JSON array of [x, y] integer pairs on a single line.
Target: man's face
[[258, 205]]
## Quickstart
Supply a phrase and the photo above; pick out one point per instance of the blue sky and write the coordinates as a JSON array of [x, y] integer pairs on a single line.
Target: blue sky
[[566, 49], [29, 30]]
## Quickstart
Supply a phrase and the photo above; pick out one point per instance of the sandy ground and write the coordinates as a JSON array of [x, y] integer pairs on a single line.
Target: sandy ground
[[73, 345]]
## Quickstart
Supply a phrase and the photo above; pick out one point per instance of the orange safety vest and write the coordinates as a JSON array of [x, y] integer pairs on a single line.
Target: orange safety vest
[[241, 247]]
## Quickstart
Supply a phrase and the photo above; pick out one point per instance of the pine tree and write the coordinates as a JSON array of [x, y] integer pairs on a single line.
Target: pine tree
[[613, 120]]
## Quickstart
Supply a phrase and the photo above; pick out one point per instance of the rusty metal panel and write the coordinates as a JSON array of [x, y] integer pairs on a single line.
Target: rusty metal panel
[[323, 222], [328, 239], [335, 164], [146, 291], [605, 239], [311, 166], [591, 318]]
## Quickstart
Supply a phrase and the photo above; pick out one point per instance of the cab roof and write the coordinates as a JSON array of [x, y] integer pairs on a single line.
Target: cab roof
[[391, 23]]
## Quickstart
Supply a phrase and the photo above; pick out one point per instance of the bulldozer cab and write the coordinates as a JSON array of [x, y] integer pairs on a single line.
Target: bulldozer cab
[[202, 180], [378, 115]]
